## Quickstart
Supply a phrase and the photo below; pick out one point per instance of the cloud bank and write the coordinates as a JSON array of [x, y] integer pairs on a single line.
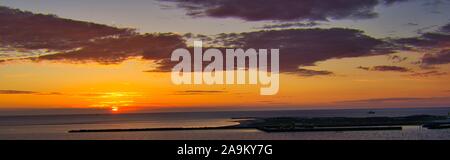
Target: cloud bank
[[282, 10], [78, 41]]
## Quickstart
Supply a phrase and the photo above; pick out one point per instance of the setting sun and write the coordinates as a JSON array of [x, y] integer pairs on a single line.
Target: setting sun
[[115, 109]]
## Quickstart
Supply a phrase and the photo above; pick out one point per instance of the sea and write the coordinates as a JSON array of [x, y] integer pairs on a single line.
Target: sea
[[56, 127]]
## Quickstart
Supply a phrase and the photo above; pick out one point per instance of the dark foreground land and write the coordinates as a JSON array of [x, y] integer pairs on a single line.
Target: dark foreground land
[[293, 124]]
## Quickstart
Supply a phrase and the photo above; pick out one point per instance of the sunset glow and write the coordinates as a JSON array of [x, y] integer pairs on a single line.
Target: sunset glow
[[373, 58], [115, 109]]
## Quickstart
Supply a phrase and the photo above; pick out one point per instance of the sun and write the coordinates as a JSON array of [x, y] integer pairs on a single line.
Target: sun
[[115, 109]]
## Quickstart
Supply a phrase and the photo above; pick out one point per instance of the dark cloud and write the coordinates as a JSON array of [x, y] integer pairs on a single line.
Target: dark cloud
[[443, 57], [77, 41], [283, 10], [428, 74], [385, 68], [390, 68], [13, 92], [403, 69], [426, 40], [26, 30], [445, 29], [301, 47], [309, 73], [305, 47], [116, 50], [389, 2], [16, 92]]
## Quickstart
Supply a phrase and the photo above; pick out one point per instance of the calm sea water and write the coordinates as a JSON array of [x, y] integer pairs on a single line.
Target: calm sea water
[[56, 127]]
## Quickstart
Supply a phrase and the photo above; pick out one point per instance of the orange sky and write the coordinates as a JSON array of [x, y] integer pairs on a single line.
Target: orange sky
[[61, 85], [398, 58]]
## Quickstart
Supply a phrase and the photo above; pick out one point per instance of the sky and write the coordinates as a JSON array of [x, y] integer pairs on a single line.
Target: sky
[[110, 55]]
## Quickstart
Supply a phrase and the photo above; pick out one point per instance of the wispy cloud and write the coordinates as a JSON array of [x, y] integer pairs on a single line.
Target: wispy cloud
[[424, 74], [290, 25], [427, 39], [16, 92], [396, 99], [308, 72], [385, 68], [397, 59], [13, 92], [390, 68], [428, 74], [434, 43], [199, 92]]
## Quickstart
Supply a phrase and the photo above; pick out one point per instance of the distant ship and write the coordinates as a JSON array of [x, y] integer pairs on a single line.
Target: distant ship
[[371, 112]]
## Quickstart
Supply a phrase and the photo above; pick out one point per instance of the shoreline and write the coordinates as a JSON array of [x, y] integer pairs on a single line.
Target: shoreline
[[295, 124], [157, 129]]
